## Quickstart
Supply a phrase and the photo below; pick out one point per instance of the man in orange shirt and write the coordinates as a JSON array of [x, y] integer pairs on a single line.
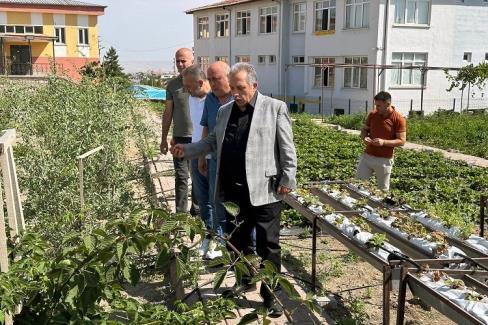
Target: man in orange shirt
[[385, 128]]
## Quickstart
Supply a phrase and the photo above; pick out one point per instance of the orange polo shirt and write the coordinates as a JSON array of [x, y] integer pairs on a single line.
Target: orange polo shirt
[[386, 128]]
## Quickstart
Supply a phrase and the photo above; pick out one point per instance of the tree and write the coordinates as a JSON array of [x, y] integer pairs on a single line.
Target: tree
[[469, 75], [111, 65]]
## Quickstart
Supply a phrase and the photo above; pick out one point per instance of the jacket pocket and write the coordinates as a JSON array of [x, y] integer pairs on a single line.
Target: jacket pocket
[[271, 172]]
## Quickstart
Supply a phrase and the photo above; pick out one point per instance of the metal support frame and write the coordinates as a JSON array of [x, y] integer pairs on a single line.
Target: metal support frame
[[12, 198], [314, 255], [81, 170], [483, 206]]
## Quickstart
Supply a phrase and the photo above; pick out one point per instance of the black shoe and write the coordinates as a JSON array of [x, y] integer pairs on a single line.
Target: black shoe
[[237, 290], [273, 308]]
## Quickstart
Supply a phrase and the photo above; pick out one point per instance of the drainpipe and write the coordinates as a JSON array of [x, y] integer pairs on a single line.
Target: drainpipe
[[385, 42], [230, 33], [280, 45]]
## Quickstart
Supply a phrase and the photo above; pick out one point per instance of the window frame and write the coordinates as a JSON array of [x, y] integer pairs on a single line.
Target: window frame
[[297, 57], [239, 57], [83, 36], [273, 17], [330, 72], [403, 20], [301, 15], [63, 38], [200, 28], [240, 23], [353, 4], [356, 72], [404, 62], [222, 21], [331, 11]]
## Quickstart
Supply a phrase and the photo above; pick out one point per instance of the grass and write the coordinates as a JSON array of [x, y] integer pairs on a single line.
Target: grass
[[466, 133]]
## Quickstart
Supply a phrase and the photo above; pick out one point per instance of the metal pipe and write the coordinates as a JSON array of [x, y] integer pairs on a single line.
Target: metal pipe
[[483, 203], [314, 255]]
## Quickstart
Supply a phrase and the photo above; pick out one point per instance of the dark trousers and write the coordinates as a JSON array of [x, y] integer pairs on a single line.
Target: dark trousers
[[266, 220], [182, 173]]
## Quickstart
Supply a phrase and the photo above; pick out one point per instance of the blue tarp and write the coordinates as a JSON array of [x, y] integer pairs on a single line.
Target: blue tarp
[[148, 92]]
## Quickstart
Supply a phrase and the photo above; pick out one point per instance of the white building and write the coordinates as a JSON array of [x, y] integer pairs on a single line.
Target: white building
[[272, 34]]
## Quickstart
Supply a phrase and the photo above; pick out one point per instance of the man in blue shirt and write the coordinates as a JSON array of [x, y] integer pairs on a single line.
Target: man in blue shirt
[[218, 76]]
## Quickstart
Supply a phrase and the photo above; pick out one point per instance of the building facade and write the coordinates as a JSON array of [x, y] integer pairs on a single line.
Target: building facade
[[281, 37], [45, 36]]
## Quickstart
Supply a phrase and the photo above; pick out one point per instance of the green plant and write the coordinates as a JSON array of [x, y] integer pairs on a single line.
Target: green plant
[[377, 240], [454, 283]]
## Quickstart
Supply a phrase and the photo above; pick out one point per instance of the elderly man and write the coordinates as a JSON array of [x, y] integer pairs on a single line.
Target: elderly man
[[384, 130], [196, 83], [256, 166], [177, 111], [218, 76]]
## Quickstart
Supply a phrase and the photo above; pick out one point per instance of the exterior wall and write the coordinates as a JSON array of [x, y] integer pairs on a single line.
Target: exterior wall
[[454, 28], [253, 45], [70, 56]]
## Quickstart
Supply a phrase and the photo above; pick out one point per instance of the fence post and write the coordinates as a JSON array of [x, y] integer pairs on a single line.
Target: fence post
[[320, 104], [349, 106], [271, 95], [454, 104], [294, 98], [366, 106], [411, 105]]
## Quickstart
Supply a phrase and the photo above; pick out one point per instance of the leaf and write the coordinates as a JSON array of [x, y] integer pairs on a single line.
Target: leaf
[[248, 318], [71, 295], [121, 250], [242, 267], [288, 288], [89, 242], [219, 278], [168, 226], [231, 208], [180, 267], [163, 258]]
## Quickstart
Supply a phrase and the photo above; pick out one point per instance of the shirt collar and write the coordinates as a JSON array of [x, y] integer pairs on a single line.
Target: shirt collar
[[253, 100]]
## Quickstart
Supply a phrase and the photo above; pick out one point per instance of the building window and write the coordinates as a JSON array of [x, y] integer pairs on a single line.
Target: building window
[[19, 29], [268, 20], [243, 22], [325, 15], [222, 58], [243, 58], [83, 36], [326, 78], [299, 16], [272, 59], [467, 56], [28, 30], [357, 13], [261, 59], [407, 77], [2, 29], [203, 62], [298, 59], [38, 29], [486, 57], [356, 77], [415, 12], [60, 35], [10, 29], [222, 25], [203, 30]]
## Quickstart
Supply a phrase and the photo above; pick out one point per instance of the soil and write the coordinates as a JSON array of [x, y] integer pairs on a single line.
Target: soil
[[356, 285]]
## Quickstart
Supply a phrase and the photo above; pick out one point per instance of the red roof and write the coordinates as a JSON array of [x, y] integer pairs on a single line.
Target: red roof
[[218, 5]]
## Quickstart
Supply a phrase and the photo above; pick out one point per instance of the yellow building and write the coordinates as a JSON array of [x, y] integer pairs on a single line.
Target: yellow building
[[41, 36]]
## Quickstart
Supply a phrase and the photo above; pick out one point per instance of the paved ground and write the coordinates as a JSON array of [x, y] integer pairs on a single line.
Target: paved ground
[[471, 160]]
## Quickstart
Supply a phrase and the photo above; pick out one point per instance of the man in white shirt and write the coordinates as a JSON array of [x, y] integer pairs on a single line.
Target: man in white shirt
[[195, 81]]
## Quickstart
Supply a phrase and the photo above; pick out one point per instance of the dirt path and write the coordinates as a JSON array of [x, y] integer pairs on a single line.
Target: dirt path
[[470, 160]]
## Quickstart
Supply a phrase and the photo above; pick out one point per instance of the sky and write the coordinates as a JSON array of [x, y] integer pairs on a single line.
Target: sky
[[146, 33]]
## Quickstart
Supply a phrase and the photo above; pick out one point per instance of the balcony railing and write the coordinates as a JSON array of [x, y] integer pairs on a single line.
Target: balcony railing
[[29, 69]]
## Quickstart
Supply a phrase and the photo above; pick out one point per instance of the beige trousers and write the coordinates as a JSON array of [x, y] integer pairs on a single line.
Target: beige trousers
[[380, 167]]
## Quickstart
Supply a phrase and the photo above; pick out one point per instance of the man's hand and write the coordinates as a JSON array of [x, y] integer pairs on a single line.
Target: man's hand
[[283, 190], [377, 142], [178, 150], [202, 166], [367, 140], [163, 147]]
